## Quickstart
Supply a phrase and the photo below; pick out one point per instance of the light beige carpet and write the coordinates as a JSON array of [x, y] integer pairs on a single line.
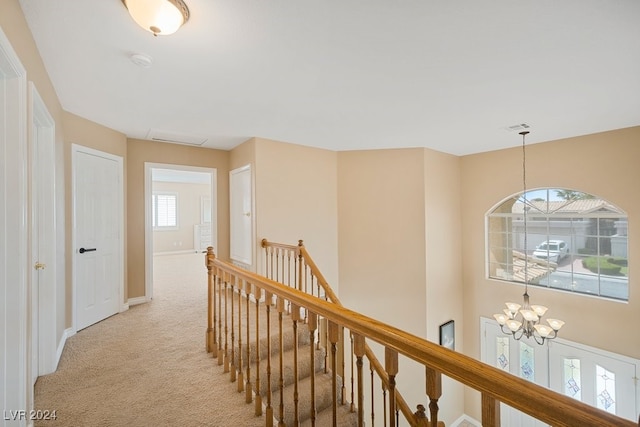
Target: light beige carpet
[[147, 366]]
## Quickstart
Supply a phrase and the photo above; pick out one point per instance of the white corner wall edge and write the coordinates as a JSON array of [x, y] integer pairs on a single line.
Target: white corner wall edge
[[69, 332]]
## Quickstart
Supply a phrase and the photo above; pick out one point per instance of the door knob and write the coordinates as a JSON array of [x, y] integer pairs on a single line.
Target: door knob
[[40, 266], [83, 250]]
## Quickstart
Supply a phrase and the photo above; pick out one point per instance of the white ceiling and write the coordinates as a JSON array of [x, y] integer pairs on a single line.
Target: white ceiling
[[348, 75]]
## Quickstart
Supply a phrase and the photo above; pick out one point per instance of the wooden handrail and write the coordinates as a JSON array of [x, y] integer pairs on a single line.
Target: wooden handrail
[[300, 249], [264, 243], [543, 404]]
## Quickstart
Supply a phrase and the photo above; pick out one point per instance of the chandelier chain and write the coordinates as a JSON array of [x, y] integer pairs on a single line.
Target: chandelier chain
[[525, 320], [524, 208]]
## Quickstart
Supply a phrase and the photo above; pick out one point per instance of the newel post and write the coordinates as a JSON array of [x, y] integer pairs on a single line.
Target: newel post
[[359, 350], [300, 276], [434, 391], [211, 332], [334, 336], [391, 366], [490, 411]]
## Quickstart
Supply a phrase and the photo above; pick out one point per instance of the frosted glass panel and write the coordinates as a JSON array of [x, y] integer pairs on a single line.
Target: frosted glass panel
[[572, 383], [606, 389], [527, 366], [502, 351]]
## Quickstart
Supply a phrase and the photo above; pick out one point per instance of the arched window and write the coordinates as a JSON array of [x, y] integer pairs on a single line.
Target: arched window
[[575, 242]]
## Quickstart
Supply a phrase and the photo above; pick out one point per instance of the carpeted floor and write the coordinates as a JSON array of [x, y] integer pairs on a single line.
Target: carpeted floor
[[147, 366]]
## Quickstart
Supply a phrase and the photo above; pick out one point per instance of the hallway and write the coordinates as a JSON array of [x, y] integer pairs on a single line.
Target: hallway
[[147, 366]]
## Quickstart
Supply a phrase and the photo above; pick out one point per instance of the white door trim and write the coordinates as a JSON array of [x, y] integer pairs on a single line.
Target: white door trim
[[43, 222], [14, 309], [75, 149], [148, 225], [245, 258]]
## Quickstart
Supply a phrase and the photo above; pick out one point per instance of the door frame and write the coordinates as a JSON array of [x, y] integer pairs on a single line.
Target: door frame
[[148, 223], [14, 307], [232, 217], [42, 192], [75, 149]]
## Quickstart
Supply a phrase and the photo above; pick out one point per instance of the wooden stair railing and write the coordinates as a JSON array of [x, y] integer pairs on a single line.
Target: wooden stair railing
[[275, 252], [494, 385]]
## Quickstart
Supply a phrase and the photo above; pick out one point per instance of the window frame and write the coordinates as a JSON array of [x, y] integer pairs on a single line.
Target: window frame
[[504, 235]]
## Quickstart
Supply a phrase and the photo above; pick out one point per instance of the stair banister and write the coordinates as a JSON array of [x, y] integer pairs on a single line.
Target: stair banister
[[493, 383], [330, 295]]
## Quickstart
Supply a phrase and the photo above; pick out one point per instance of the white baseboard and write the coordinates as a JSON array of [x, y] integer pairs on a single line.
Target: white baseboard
[[137, 300], [466, 419], [69, 332]]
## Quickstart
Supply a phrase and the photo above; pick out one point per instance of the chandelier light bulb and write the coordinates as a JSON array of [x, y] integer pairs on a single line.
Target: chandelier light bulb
[[501, 318], [555, 323]]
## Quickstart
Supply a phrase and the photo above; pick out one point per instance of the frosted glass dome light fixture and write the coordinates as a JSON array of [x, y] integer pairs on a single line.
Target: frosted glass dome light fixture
[[160, 17]]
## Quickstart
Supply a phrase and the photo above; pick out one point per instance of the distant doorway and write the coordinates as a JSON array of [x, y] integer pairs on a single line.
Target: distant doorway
[[181, 213]]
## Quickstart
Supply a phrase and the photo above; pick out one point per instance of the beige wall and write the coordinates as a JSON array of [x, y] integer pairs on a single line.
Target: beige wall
[[381, 211], [443, 248], [399, 246], [80, 131], [139, 152], [296, 198], [243, 154], [603, 164], [381, 235]]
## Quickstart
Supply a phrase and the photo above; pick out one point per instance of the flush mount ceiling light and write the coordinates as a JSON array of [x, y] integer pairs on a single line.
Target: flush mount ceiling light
[[160, 17]]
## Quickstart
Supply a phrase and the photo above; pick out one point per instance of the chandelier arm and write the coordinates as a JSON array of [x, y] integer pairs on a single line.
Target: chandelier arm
[[521, 330]]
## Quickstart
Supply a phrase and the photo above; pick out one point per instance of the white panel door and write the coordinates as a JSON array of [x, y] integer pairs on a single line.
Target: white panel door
[[98, 235], [523, 358], [43, 239], [241, 216], [605, 381], [599, 378]]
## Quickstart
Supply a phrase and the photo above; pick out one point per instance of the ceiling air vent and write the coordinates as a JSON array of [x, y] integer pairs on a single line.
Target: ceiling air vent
[[175, 138], [517, 128]]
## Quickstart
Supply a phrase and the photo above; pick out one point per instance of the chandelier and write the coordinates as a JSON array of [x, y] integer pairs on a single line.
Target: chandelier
[[525, 320], [160, 17]]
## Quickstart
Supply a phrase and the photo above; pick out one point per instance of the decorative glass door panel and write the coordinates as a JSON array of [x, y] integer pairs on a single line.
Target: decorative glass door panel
[[599, 378]]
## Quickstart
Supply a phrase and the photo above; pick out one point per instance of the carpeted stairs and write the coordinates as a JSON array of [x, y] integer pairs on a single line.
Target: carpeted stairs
[[323, 380]]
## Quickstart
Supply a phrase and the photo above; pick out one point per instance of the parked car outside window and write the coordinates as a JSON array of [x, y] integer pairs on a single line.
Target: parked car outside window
[[552, 250]]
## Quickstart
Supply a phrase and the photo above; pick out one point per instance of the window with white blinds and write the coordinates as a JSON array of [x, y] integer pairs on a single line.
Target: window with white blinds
[[165, 211]]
